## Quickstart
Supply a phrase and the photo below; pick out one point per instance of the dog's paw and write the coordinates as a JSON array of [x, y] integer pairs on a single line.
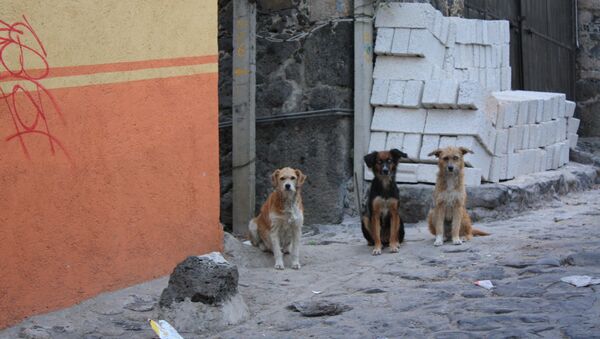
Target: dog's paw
[[279, 266], [296, 266], [376, 251], [457, 241], [394, 248], [439, 241]]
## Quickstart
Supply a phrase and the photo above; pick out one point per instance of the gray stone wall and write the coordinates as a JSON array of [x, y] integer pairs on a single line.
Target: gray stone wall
[[588, 68], [304, 63]]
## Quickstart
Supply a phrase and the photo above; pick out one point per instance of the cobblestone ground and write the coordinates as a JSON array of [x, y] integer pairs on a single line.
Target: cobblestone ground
[[421, 292]]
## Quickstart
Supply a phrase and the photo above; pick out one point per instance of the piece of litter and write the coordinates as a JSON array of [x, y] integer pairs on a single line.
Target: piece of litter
[[317, 292], [247, 242], [580, 280], [164, 330], [485, 284]]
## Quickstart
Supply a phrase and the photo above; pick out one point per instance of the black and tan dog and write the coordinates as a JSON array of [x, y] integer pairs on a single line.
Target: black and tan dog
[[381, 222]]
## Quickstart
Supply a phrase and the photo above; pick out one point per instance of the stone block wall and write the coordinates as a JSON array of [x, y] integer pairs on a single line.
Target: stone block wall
[[588, 67]]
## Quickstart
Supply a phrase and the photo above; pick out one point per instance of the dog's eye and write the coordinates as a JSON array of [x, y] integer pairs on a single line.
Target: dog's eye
[[455, 157], [282, 178], [389, 161], [446, 158], [293, 178], [379, 161]]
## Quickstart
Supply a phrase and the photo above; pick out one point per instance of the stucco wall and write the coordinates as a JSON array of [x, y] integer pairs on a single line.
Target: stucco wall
[[108, 146]]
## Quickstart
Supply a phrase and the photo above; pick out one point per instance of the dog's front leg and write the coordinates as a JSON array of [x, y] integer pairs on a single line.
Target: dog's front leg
[[295, 244], [276, 248], [456, 221], [438, 220], [376, 232], [394, 229]]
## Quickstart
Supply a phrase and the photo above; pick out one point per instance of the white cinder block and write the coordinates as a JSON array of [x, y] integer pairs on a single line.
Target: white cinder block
[[562, 129], [448, 94], [562, 108], [394, 140], [472, 176], [459, 122], [526, 131], [569, 108], [380, 92], [423, 43], [480, 158], [540, 159], [407, 15], [482, 61], [549, 157], [464, 56], [527, 161], [572, 125], [505, 78], [531, 111], [470, 95], [505, 55], [556, 156], [402, 68], [539, 116], [498, 168], [396, 92], [556, 105], [505, 31], [513, 166], [431, 93], [466, 31], [564, 153], [412, 145], [446, 141], [573, 138], [492, 79], [493, 33], [405, 120], [534, 131], [547, 112], [406, 172], [412, 94], [383, 42], [400, 41], [377, 142], [519, 140], [489, 62], [480, 32], [507, 114], [523, 114], [430, 143], [427, 173], [512, 139], [476, 57], [501, 146]]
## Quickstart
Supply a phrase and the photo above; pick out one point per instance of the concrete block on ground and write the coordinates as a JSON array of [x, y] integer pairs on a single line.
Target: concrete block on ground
[[532, 111], [527, 161], [480, 158], [441, 30], [549, 156], [547, 112], [540, 159], [402, 68], [395, 92], [466, 31], [564, 153], [539, 116], [572, 125], [501, 145], [556, 156], [507, 114], [448, 94], [562, 129], [525, 142], [431, 93], [505, 78], [429, 144], [562, 108], [557, 98], [573, 138], [413, 92], [498, 168], [493, 32], [394, 140], [412, 145], [407, 15], [380, 92], [512, 139], [427, 173], [523, 114], [407, 173], [513, 165], [505, 30], [383, 42], [569, 108], [472, 176], [547, 133], [534, 131], [405, 120], [519, 136], [464, 56], [377, 141], [400, 41]]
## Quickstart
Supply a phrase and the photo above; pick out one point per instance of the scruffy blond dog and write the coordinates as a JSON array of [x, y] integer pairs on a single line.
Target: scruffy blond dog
[[450, 199], [278, 227]]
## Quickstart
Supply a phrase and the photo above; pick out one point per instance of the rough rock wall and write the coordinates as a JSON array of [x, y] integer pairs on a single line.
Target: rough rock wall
[[588, 67], [304, 63]]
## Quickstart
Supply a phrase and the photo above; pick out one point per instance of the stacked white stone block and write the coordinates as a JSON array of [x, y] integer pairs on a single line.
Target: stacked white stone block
[[433, 83]]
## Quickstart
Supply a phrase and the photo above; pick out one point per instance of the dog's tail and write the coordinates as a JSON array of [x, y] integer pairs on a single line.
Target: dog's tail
[[478, 233], [253, 233]]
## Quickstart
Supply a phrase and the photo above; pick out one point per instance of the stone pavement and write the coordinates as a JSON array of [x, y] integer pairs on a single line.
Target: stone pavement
[[421, 292]]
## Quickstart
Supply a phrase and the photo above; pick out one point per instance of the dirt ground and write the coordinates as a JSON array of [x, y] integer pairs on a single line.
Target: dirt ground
[[421, 292]]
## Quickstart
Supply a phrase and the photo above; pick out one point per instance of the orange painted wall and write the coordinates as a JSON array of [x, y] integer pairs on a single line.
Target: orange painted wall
[[109, 169]]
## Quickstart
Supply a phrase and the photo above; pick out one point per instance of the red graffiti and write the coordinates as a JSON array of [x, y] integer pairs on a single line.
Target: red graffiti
[[23, 61]]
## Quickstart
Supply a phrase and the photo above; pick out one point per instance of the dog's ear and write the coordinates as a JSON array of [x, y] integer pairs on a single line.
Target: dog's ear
[[370, 159], [274, 178], [396, 154], [437, 153], [465, 150], [301, 177]]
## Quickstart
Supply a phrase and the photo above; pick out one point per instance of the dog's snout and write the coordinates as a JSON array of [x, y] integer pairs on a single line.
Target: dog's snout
[[386, 171], [450, 168], [288, 186]]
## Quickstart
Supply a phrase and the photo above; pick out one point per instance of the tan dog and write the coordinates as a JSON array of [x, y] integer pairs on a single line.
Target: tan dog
[[279, 225], [450, 198]]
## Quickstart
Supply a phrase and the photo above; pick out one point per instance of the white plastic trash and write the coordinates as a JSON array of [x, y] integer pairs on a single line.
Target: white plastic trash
[[485, 284], [164, 330]]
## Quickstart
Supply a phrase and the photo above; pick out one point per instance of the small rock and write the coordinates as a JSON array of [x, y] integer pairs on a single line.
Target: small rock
[[374, 291], [141, 303], [548, 262], [473, 294], [319, 308], [35, 332], [517, 264]]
